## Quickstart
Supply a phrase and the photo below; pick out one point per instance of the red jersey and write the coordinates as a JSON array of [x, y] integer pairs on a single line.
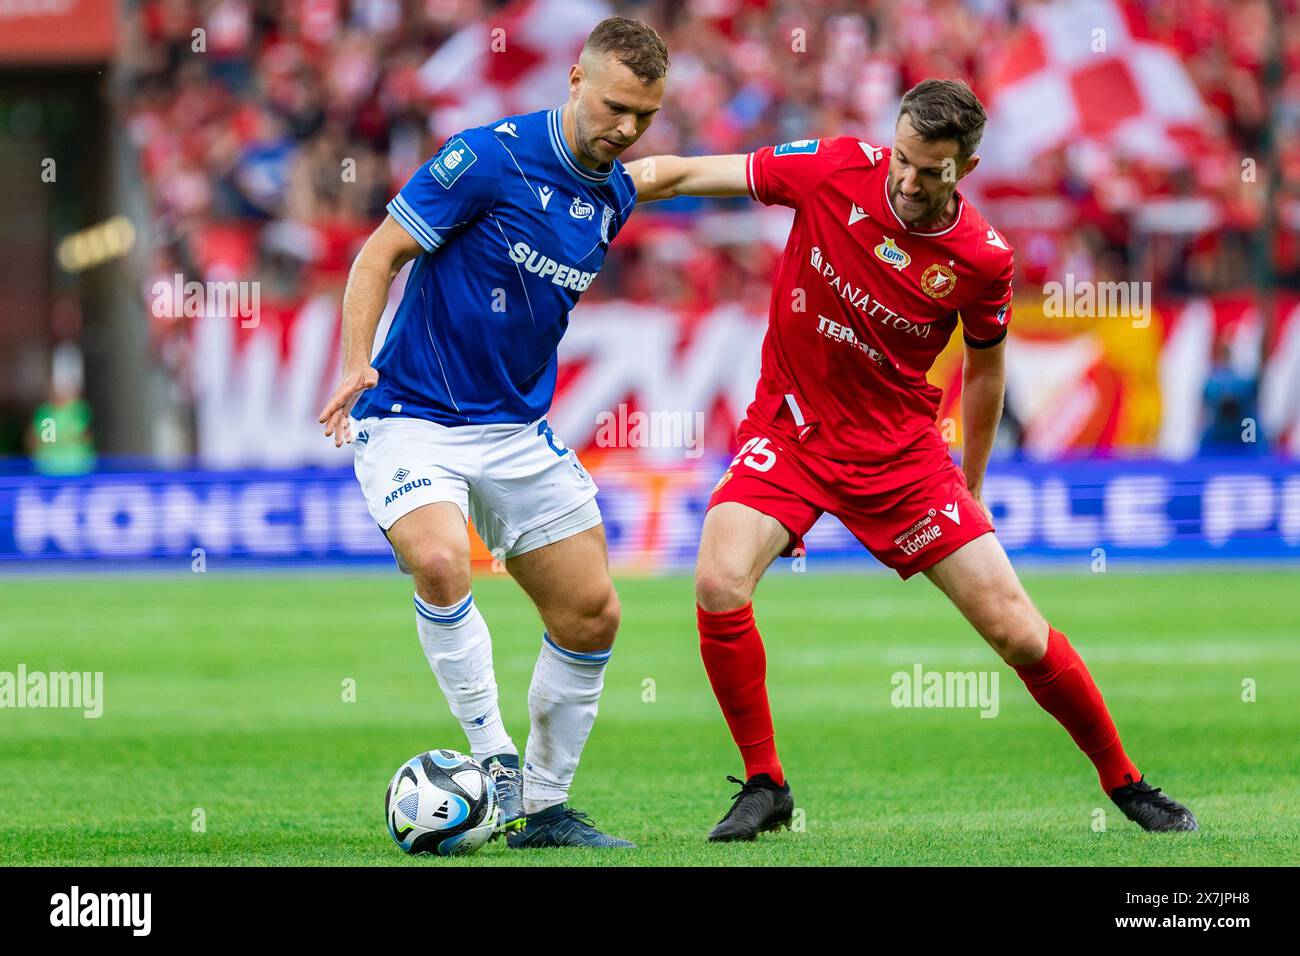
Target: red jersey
[[862, 305]]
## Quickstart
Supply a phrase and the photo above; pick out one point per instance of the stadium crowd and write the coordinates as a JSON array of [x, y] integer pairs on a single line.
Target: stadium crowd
[[271, 151]]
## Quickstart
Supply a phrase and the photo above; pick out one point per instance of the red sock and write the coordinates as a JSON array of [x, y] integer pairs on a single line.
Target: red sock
[[1061, 684], [737, 666]]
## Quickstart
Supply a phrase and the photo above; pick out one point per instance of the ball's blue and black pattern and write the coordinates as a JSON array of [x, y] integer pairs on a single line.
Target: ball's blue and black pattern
[[441, 802]]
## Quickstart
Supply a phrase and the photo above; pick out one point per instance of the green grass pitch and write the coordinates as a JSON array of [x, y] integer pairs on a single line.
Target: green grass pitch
[[224, 693]]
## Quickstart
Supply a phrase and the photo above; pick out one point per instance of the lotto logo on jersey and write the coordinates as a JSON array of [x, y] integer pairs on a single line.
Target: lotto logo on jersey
[[798, 146], [581, 210], [889, 253], [455, 158]]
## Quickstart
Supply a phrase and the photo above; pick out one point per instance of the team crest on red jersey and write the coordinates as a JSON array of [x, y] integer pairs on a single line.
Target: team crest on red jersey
[[938, 281]]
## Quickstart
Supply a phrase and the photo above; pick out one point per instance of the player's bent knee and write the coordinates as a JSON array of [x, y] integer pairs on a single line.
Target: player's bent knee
[[1031, 638], [721, 589], [440, 569], [591, 627], [1000, 635], [1013, 628], [604, 624]]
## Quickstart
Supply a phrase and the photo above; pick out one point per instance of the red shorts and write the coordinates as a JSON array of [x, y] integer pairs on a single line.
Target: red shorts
[[910, 513]]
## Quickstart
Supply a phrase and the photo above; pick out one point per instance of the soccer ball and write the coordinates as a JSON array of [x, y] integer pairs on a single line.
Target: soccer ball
[[441, 802]]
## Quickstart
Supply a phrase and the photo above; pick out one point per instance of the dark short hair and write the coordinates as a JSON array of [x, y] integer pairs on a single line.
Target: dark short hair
[[636, 45], [945, 109]]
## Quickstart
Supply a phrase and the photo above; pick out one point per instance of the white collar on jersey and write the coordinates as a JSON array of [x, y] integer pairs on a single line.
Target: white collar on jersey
[[555, 126], [961, 207]]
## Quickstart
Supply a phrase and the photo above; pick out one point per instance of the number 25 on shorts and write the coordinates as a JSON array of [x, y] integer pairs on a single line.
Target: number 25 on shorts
[[755, 454]]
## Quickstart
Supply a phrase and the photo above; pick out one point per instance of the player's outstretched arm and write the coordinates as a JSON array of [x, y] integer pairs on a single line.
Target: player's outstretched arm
[[663, 177], [388, 249]]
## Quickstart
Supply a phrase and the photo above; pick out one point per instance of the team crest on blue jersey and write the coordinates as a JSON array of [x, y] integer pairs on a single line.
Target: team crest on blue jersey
[[455, 158], [798, 146], [606, 218]]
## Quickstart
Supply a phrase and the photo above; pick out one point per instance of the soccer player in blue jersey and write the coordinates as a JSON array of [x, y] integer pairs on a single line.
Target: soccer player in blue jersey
[[508, 225]]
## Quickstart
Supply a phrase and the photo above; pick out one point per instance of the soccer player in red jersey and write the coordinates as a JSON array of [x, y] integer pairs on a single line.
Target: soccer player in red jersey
[[884, 259]]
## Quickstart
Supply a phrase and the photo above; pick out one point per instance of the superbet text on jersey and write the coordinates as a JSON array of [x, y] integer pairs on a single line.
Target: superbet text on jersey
[[862, 305]]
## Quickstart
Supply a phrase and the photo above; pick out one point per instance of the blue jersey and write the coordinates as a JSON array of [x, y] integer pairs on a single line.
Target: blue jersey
[[514, 229]]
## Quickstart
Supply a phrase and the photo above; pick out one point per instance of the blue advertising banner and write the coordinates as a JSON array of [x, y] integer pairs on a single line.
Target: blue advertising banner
[[1148, 510]]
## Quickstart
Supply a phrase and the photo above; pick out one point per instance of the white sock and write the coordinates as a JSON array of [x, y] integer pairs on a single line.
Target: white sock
[[456, 642], [562, 701]]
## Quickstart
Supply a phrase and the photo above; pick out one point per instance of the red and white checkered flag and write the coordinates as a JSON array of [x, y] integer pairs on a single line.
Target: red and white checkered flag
[[1087, 70]]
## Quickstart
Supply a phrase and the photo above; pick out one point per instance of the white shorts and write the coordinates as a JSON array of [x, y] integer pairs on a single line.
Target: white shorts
[[519, 483]]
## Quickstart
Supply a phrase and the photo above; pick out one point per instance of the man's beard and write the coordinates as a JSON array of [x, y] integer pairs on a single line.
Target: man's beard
[[586, 143], [932, 209]]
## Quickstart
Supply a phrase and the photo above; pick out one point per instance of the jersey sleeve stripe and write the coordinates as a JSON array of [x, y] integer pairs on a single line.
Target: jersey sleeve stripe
[[749, 176], [413, 223], [986, 343]]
